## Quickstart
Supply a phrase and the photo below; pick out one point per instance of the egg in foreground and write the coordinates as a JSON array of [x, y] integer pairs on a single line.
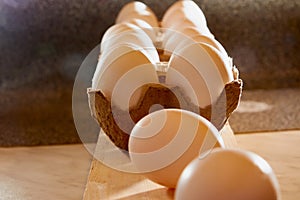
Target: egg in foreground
[[228, 174], [162, 143]]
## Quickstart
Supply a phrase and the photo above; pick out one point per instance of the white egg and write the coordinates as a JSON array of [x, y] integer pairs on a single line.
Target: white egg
[[201, 71], [162, 143], [151, 32], [228, 174], [123, 77], [137, 10]]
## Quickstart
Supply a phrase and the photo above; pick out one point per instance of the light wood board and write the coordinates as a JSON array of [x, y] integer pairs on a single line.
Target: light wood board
[[280, 149]]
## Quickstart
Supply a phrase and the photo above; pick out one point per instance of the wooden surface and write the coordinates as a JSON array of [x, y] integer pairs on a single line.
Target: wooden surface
[[280, 149], [43, 172]]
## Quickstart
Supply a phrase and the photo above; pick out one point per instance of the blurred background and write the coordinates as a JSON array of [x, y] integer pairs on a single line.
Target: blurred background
[[44, 42]]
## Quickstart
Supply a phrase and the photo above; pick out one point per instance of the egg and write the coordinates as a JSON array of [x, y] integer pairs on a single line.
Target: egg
[[137, 37], [107, 57], [134, 6], [201, 71], [194, 31], [187, 36], [183, 10], [125, 75], [151, 32], [184, 22], [137, 10], [228, 174], [116, 29], [147, 16], [180, 22], [162, 143], [197, 39]]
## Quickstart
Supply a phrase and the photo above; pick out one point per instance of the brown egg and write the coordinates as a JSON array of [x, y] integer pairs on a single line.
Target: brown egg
[[115, 30], [162, 143], [120, 75], [151, 32], [178, 40], [201, 38], [201, 71], [183, 10], [137, 10], [228, 174]]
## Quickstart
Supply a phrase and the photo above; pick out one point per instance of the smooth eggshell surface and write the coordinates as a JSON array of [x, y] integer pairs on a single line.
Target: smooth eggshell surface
[[181, 23], [117, 29], [228, 174], [197, 38], [147, 16], [137, 37], [185, 9], [162, 143], [201, 72], [108, 57], [124, 75], [151, 32], [188, 36], [138, 9]]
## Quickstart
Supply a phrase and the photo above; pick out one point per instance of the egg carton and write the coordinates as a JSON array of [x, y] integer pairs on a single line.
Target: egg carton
[[117, 123]]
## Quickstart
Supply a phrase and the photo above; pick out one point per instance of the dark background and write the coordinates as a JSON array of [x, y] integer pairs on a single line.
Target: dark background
[[43, 43]]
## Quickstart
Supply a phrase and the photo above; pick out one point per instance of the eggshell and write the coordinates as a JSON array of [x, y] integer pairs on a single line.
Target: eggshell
[[124, 76], [201, 72], [151, 32], [137, 10], [136, 6], [162, 143], [171, 40], [193, 31], [187, 36], [228, 174], [183, 10], [114, 53], [197, 38], [147, 16], [136, 37], [117, 29], [182, 23]]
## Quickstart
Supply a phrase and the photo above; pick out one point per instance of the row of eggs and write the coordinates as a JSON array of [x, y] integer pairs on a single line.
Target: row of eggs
[[199, 65], [163, 143], [180, 149]]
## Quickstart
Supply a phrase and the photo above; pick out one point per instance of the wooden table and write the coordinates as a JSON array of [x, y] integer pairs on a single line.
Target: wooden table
[[280, 149]]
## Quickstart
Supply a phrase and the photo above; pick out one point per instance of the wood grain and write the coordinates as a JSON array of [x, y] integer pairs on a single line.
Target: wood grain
[[280, 149], [107, 183]]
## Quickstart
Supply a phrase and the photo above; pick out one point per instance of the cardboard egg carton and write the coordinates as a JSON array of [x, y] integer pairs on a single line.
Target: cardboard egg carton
[[117, 123]]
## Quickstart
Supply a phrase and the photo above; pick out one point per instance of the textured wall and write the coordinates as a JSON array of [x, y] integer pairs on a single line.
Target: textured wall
[[42, 38], [43, 43]]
